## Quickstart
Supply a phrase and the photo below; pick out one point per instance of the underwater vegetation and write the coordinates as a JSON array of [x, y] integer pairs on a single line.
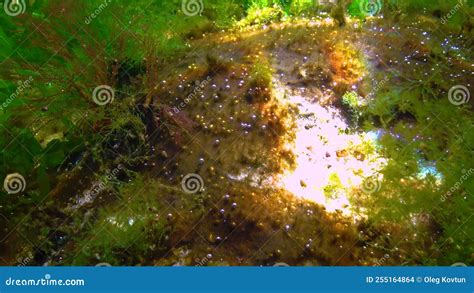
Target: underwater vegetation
[[253, 132]]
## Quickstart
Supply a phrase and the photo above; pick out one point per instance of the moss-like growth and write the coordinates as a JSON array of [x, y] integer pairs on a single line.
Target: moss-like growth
[[129, 231], [260, 82]]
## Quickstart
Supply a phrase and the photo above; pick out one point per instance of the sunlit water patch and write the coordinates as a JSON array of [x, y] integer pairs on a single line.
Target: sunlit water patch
[[330, 161]]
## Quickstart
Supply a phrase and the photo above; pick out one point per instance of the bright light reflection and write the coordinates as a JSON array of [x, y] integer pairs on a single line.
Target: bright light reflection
[[324, 151]]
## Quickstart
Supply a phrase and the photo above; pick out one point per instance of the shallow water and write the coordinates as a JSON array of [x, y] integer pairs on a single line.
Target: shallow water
[[281, 168], [324, 147]]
